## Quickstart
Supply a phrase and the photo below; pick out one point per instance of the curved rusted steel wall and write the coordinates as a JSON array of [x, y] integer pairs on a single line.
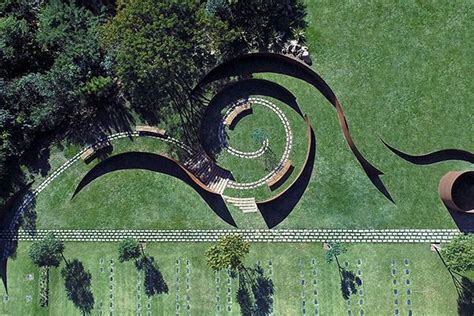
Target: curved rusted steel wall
[[157, 163], [277, 208], [448, 184], [261, 62]]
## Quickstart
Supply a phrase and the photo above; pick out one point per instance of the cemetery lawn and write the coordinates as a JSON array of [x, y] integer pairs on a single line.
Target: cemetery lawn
[[432, 291]]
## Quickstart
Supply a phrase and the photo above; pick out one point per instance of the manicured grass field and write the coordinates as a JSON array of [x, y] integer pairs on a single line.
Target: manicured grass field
[[401, 72], [431, 289]]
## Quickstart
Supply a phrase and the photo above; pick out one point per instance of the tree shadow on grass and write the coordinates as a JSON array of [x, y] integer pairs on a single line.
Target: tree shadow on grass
[[77, 282], [349, 283], [466, 298], [156, 163], [153, 283], [255, 293]]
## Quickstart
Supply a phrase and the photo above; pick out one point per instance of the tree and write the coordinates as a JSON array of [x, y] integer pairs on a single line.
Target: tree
[[47, 252], [335, 249], [129, 249], [459, 254], [229, 253], [264, 24], [77, 282], [161, 49]]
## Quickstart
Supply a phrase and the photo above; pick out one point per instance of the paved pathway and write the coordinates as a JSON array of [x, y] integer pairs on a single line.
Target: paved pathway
[[311, 235]]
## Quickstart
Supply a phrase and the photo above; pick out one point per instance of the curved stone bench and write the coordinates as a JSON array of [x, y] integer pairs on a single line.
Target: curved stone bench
[[92, 150], [238, 112], [150, 130], [275, 180]]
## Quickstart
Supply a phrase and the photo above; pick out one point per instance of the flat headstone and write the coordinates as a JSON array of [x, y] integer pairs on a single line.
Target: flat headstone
[[28, 298]]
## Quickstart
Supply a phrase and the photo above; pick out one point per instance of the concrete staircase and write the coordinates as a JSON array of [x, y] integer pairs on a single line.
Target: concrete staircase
[[214, 177], [246, 205]]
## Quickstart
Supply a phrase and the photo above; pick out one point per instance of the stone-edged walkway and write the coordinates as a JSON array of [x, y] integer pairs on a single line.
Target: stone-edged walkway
[[313, 235]]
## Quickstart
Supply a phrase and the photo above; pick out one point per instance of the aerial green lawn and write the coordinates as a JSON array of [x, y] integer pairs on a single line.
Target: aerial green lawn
[[402, 74], [431, 289]]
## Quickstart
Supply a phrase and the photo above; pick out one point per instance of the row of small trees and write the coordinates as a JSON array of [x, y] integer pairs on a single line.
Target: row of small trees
[[255, 290]]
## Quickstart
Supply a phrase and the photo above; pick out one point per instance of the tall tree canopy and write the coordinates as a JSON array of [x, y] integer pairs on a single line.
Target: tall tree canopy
[[459, 254], [230, 253], [47, 252], [160, 49], [53, 77]]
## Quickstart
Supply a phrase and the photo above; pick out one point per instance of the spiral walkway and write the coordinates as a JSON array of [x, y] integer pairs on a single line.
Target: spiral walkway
[[286, 152]]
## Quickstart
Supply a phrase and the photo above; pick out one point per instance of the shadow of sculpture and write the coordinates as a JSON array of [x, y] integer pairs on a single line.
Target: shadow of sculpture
[[161, 164], [262, 62], [464, 221], [434, 157], [276, 209]]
